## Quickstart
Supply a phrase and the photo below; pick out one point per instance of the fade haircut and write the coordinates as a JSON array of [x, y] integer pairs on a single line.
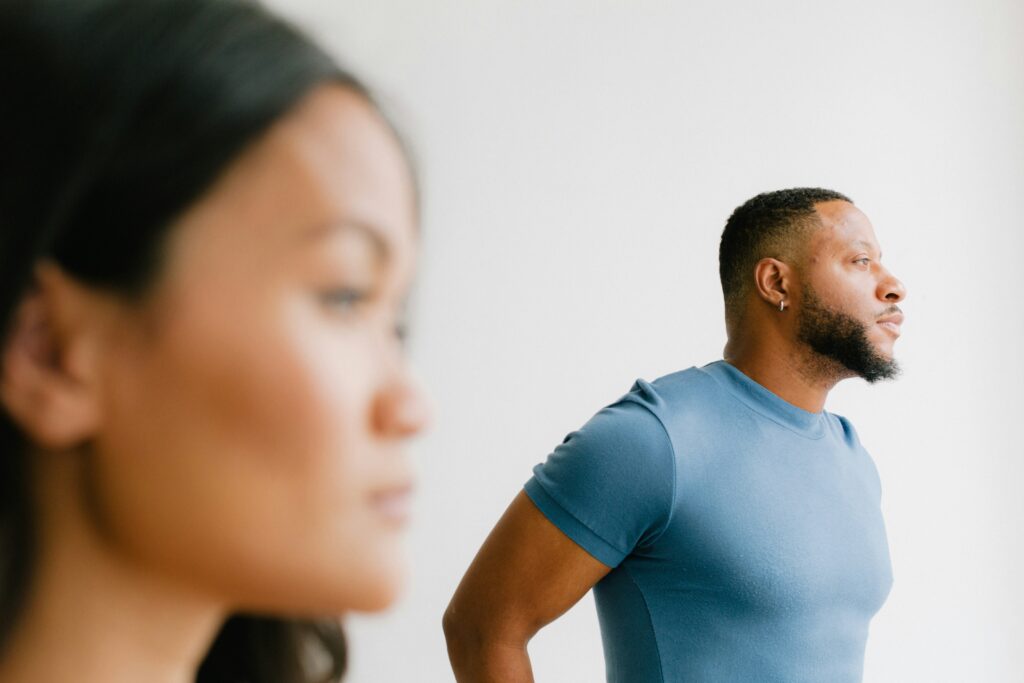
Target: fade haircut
[[764, 226]]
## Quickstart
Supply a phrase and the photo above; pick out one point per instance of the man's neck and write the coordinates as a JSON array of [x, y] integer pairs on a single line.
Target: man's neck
[[786, 372]]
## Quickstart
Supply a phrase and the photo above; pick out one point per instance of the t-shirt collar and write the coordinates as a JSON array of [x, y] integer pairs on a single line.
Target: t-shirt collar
[[763, 401]]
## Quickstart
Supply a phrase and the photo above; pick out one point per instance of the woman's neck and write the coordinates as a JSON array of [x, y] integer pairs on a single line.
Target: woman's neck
[[92, 615]]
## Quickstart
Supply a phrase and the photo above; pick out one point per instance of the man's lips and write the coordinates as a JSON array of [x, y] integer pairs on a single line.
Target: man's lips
[[892, 322]]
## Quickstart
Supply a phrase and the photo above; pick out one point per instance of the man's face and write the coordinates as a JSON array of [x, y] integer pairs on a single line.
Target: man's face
[[849, 314]]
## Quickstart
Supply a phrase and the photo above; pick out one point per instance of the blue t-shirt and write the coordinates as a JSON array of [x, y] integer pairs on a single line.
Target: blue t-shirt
[[745, 534]]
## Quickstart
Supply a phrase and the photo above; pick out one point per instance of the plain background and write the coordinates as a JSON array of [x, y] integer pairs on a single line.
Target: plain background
[[579, 159]]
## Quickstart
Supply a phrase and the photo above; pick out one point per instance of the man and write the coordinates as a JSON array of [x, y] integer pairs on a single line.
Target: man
[[729, 526]]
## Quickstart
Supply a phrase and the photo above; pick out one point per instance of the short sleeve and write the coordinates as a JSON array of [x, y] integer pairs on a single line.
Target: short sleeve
[[609, 486]]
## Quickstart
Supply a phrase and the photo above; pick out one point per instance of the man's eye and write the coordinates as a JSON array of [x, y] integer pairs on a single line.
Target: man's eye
[[864, 260], [344, 298]]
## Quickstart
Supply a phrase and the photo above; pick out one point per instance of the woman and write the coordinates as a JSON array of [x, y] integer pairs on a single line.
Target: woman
[[207, 232]]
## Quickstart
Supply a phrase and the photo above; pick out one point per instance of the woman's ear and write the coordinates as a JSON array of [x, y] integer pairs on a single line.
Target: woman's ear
[[49, 374]]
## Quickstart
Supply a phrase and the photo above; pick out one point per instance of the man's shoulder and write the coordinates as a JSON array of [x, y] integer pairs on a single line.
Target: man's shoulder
[[844, 428], [689, 388], [642, 419]]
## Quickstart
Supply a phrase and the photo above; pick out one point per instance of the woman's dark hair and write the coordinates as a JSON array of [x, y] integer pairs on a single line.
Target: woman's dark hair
[[115, 116]]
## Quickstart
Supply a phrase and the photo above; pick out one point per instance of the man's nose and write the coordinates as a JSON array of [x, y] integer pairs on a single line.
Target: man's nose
[[890, 289]]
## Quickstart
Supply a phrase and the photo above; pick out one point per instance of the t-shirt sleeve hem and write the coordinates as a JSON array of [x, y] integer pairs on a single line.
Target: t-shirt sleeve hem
[[577, 532]]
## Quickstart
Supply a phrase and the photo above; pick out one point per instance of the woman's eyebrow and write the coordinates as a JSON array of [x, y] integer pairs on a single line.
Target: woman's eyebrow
[[366, 230]]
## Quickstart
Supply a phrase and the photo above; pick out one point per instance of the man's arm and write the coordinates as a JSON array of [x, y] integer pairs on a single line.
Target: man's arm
[[526, 575]]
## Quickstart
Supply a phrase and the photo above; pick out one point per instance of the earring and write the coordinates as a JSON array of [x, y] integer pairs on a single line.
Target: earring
[[782, 305]]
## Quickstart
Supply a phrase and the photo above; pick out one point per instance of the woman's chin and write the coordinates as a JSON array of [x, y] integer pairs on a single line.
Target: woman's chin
[[385, 590], [375, 591]]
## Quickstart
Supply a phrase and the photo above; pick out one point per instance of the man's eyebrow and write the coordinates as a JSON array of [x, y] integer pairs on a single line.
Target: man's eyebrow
[[867, 245], [367, 230]]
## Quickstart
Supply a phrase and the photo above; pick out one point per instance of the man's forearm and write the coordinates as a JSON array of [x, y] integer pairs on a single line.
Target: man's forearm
[[525, 576], [477, 658]]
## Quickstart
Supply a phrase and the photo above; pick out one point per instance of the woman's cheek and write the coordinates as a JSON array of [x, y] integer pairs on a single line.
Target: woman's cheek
[[257, 447]]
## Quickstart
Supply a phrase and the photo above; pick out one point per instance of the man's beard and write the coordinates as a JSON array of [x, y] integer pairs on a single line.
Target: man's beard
[[843, 339]]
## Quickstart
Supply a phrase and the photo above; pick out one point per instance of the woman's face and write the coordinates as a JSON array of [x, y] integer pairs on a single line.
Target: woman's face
[[256, 404]]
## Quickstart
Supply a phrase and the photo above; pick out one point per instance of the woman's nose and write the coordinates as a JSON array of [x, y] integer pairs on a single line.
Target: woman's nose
[[402, 409]]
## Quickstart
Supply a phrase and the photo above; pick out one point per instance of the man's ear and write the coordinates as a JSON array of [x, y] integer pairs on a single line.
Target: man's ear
[[49, 374], [772, 281]]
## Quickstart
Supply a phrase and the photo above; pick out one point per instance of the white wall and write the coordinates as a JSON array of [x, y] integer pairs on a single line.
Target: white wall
[[579, 159]]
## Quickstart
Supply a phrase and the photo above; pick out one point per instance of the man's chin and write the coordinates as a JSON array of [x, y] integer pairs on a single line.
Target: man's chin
[[879, 368], [846, 346]]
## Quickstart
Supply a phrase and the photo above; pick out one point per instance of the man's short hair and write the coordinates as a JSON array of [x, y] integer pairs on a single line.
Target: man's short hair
[[764, 226]]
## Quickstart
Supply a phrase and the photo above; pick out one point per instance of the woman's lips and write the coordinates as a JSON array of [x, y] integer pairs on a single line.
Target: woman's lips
[[393, 504]]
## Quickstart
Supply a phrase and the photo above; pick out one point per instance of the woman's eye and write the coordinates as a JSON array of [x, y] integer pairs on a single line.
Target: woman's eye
[[401, 331], [864, 260], [344, 298]]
